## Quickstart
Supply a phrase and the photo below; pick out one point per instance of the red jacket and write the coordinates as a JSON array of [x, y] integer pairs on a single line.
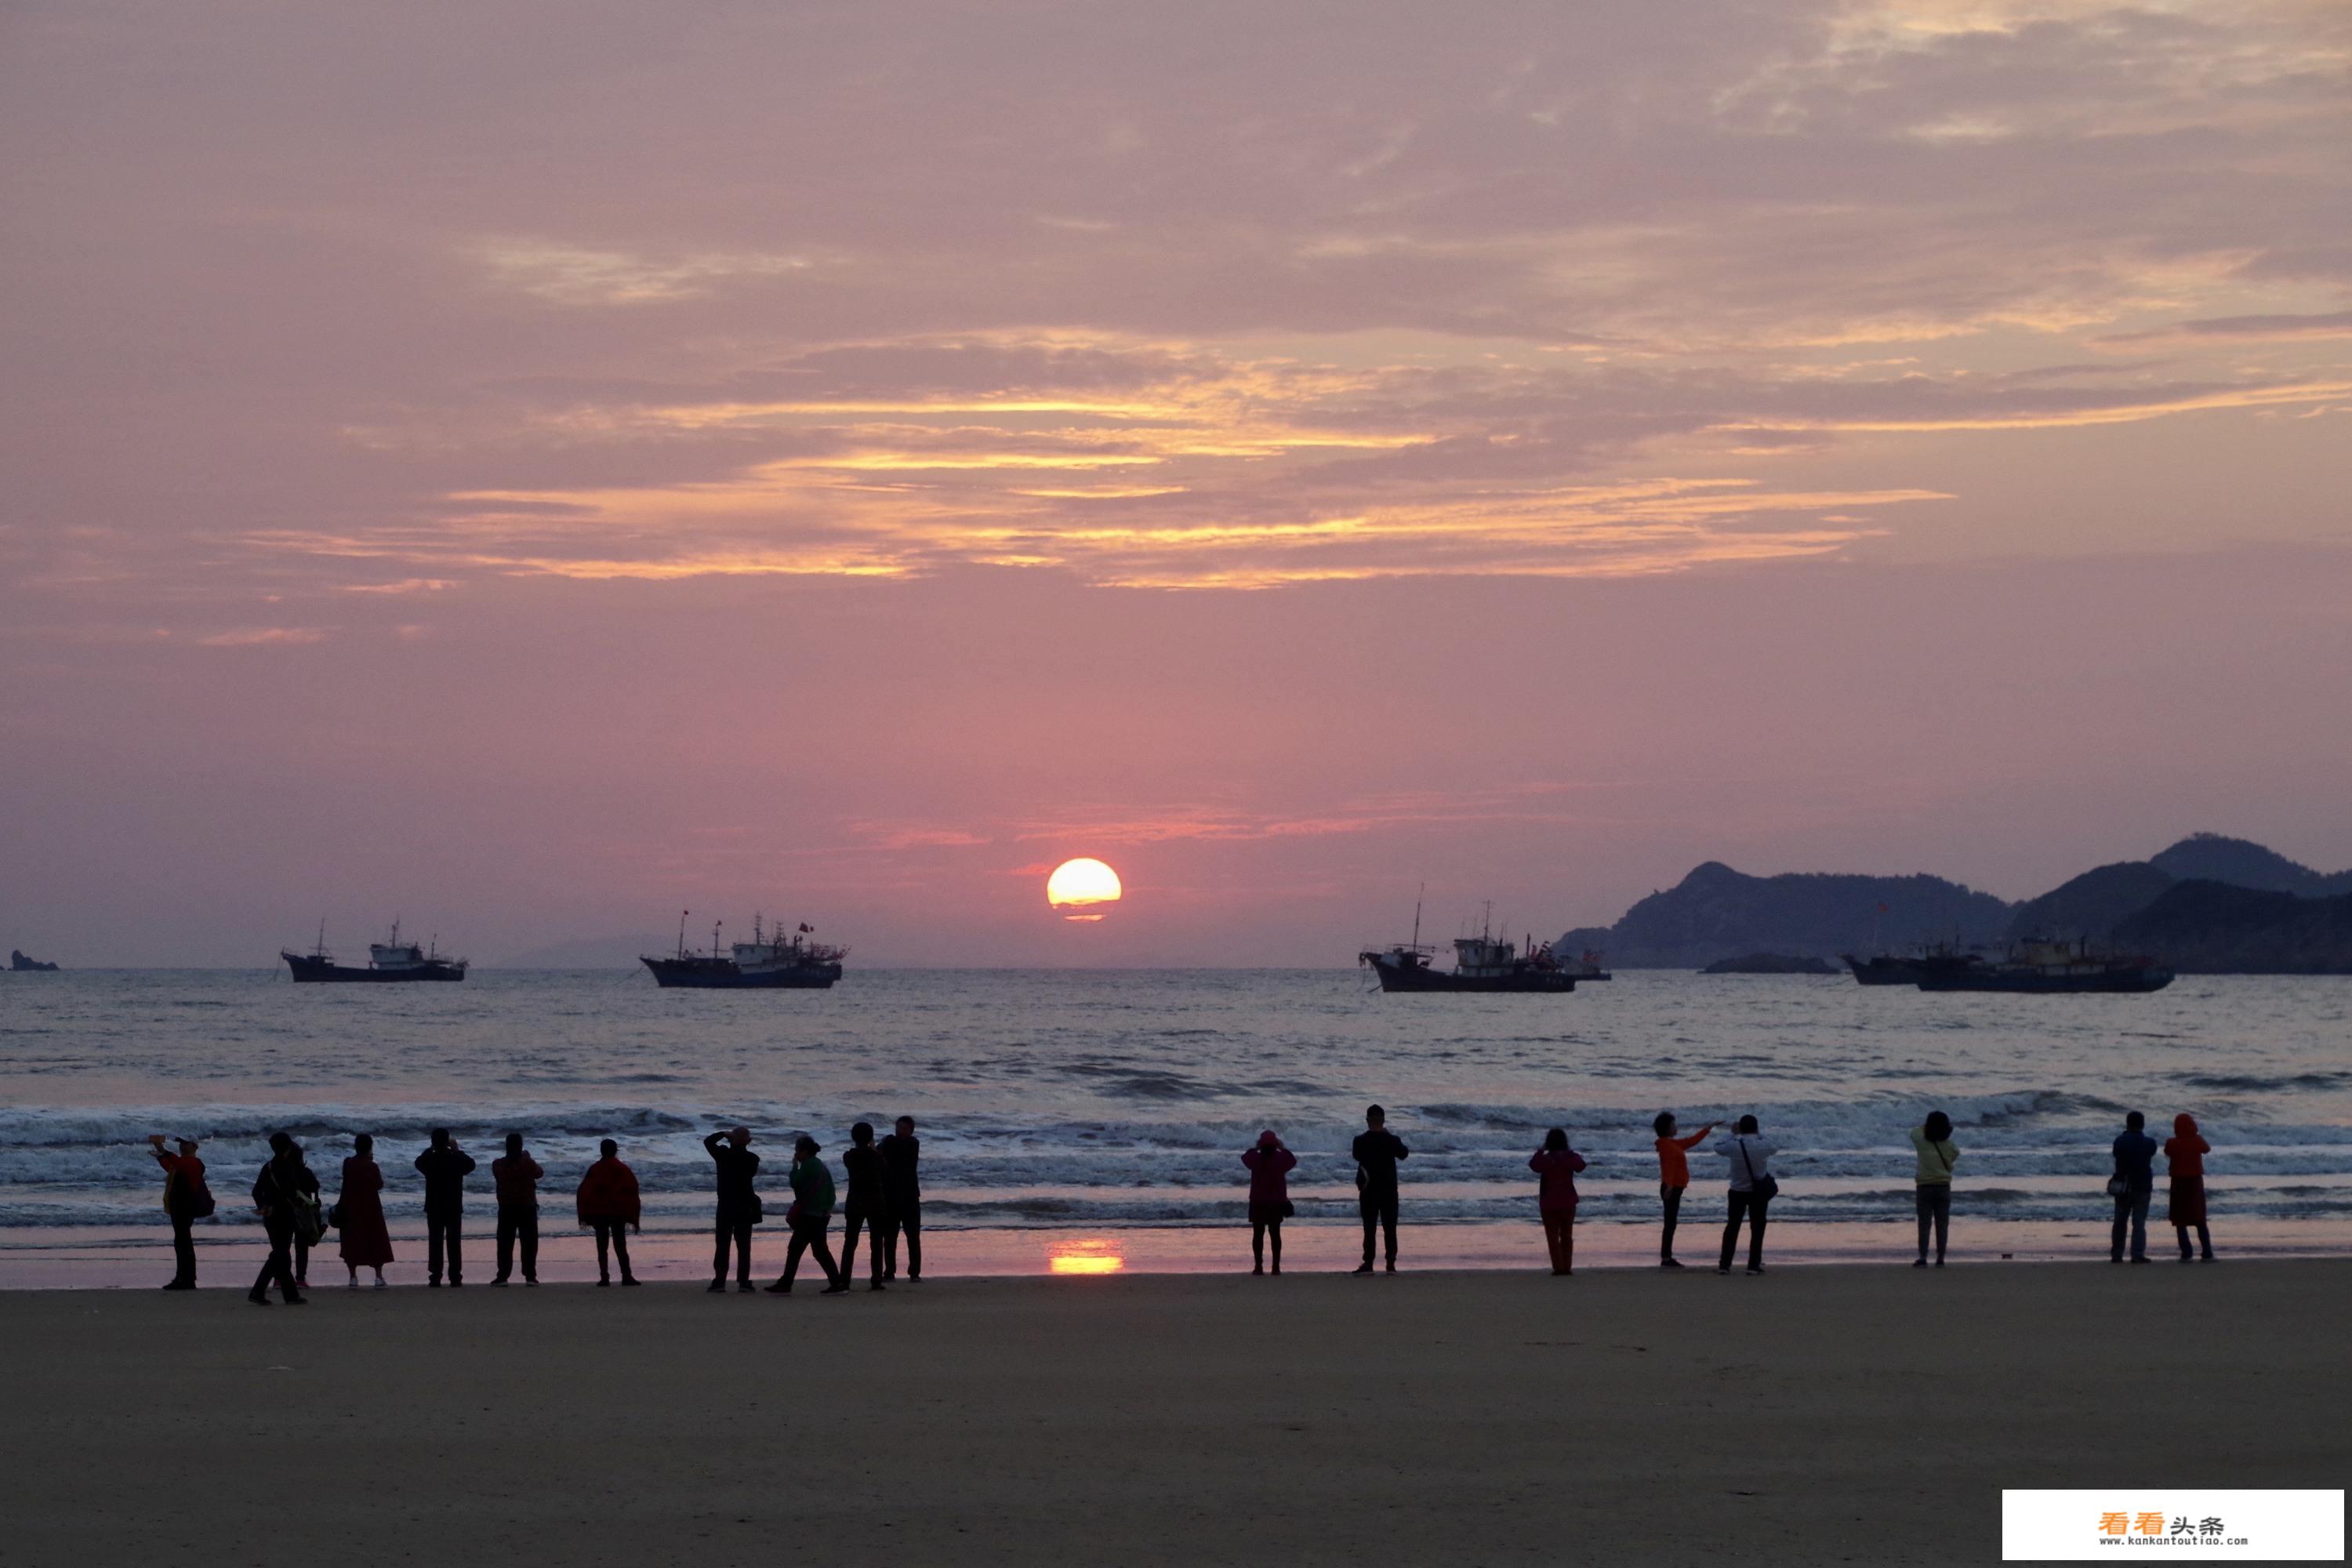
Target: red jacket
[[1558, 1168], [1269, 1182], [608, 1192]]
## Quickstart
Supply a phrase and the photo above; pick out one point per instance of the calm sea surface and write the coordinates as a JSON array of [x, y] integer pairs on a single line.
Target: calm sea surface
[[1085, 1100]]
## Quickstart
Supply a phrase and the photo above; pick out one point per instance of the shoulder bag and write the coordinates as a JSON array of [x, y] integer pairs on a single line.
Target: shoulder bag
[[1764, 1186]]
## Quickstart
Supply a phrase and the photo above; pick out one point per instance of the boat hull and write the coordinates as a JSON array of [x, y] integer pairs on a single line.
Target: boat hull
[[311, 970], [708, 975], [2122, 982], [1421, 979]]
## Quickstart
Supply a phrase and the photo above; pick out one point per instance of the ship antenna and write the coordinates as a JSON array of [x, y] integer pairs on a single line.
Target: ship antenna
[[681, 932], [714, 937], [1417, 897], [322, 935]]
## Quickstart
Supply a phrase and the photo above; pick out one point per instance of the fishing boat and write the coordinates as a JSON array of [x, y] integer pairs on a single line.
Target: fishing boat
[[770, 961], [393, 960], [1481, 962]]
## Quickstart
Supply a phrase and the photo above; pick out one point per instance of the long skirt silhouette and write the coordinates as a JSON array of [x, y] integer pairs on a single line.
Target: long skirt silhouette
[[366, 1240]]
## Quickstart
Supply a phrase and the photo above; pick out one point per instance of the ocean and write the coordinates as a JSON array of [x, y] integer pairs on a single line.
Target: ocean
[[1064, 1105]]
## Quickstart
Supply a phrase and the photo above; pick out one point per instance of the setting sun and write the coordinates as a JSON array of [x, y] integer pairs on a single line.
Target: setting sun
[[1078, 887]]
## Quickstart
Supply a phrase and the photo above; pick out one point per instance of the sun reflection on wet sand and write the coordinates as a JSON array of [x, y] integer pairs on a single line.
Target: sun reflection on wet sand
[[1086, 1255]]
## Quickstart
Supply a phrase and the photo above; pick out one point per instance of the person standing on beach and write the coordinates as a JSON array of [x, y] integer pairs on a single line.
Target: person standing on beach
[[2133, 1185], [275, 1192], [902, 1191], [1555, 1165], [739, 1204], [445, 1168], [186, 1199], [1673, 1176], [1752, 1189], [811, 1212], [867, 1205], [1933, 1181], [609, 1205], [1269, 1196], [2184, 1154], [366, 1240], [517, 1177], [1377, 1150]]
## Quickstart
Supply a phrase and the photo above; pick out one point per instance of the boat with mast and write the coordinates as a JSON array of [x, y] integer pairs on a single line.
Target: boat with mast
[[771, 961], [394, 960], [1481, 962]]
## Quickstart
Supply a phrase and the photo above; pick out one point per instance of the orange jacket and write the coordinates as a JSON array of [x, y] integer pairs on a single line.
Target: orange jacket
[[1673, 1164]]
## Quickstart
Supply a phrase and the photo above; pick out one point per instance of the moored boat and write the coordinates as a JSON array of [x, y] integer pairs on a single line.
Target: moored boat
[[770, 961], [1481, 962], [2043, 965], [389, 961]]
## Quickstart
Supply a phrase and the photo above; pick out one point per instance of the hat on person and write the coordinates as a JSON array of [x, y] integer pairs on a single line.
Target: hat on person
[[1266, 1140]]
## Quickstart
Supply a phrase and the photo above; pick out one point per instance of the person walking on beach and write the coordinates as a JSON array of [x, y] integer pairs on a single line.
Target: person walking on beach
[[1932, 1141], [811, 1212], [866, 1205], [366, 1240], [277, 1192], [1673, 1176], [609, 1205], [902, 1192], [445, 1168], [1377, 1150], [2184, 1154], [186, 1199], [517, 1177], [310, 1228], [1752, 1189], [1269, 1196], [1555, 1165], [2132, 1185], [739, 1204]]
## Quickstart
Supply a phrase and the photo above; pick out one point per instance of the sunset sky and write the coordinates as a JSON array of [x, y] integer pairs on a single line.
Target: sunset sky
[[533, 468]]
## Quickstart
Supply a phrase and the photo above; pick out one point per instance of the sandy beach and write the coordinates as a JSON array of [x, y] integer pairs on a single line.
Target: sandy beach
[[1812, 1415]]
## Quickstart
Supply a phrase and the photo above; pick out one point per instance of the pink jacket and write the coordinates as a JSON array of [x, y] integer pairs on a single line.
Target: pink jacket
[[1558, 1168]]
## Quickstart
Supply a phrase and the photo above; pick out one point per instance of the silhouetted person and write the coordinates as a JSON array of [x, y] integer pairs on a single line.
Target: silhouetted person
[[186, 1199], [739, 1204], [275, 1192], [2133, 1185], [1673, 1177], [1555, 1165], [864, 1205], [366, 1240], [1752, 1188], [445, 1168], [2184, 1154], [1377, 1152], [811, 1212], [309, 1229], [609, 1205], [1269, 1196], [902, 1189], [1932, 1181], [517, 1176]]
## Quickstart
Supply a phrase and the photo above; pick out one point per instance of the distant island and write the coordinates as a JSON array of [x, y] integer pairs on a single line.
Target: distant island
[[24, 965], [2207, 905], [1770, 963]]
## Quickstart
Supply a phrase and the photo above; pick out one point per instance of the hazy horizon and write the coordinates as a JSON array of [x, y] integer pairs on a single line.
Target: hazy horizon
[[534, 471]]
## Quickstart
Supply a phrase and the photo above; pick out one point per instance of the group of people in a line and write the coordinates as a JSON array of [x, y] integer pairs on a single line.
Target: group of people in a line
[[884, 1199], [1752, 1187], [884, 1202]]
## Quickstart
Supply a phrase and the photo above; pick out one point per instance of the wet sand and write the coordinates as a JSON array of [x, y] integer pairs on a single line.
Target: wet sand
[[1809, 1416]]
